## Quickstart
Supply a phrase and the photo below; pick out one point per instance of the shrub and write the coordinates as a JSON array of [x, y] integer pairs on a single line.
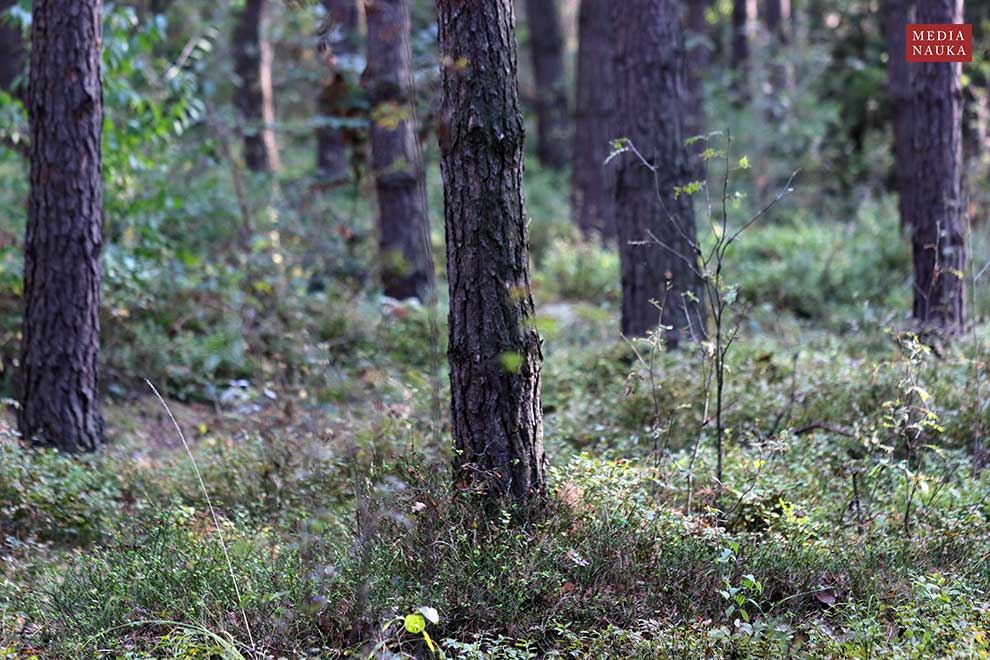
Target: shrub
[[50, 496]]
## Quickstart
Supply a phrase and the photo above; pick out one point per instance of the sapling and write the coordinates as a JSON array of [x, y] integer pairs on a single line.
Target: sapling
[[709, 265]]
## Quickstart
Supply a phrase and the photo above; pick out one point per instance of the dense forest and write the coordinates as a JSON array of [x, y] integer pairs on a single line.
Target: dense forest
[[494, 329]]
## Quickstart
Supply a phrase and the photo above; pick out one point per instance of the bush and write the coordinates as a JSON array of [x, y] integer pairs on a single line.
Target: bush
[[578, 270], [50, 496], [830, 273], [172, 570]]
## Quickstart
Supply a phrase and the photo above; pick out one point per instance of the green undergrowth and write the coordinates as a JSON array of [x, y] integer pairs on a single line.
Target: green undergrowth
[[335, 534]]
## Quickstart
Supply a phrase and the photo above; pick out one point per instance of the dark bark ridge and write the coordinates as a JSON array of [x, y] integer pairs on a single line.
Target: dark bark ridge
[[546, 39], [60, 347], [650, 83], [494, 351], [936, 202], [594, 119], [403, 225]]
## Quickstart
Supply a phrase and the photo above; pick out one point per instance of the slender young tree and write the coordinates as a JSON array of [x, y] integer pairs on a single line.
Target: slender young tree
[[253, 66], [494, 350], [61, 333], [546, 41], [936, 212], [594, 120], [340, 41], [657, 237], [896, 16], [403, 226]]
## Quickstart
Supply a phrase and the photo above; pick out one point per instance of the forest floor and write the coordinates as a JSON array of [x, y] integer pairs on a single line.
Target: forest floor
[[853, 518]]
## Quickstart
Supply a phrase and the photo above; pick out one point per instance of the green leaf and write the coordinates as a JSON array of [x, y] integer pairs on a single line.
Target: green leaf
[[414, 623], [511, 362], [688, 189], [619, 146]]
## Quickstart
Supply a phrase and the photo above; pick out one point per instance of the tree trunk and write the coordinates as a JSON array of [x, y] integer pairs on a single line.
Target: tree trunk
[[61, 343], [740, 48], [936, 203], [698, 51], [546, 41], [594, 120], [650, 87], [896, 17], [815, 12], [403, 226], [12, 57], [340, 42], [775, 15], [253, 66], [495, 351]]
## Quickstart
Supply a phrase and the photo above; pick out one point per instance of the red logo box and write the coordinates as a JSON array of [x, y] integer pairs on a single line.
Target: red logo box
[[939, 42]]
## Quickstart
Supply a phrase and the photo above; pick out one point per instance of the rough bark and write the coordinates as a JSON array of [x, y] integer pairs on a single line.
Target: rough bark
[[340, 42], [650, 84], [403, 225], [936, 210], [546, 41], [61, 334], [896, 15], [254, 98], [12, 55], [495, 351], [594, 120]]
